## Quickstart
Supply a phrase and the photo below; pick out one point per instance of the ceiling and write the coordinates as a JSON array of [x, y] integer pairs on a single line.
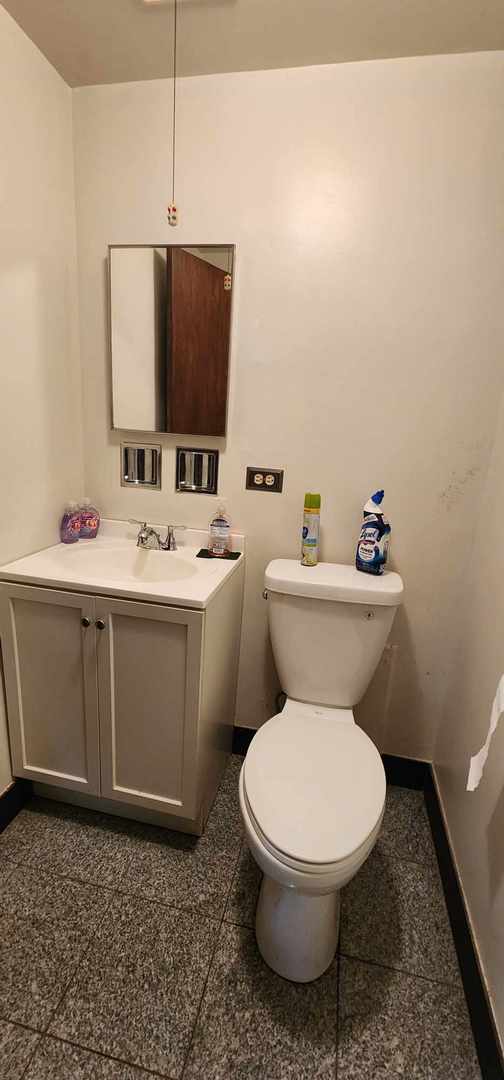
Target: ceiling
[[107, 41]]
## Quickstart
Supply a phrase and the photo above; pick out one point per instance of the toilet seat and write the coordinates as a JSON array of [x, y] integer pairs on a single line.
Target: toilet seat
[[314, 787]]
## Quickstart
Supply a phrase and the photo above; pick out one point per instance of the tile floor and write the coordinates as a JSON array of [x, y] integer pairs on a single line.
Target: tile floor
[[127, 951]]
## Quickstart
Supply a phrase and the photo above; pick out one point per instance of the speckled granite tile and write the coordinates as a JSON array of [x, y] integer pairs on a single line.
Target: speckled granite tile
[[72, 841], [393, 1025], [16, 1047], [6, 867], [405, 831], [45, 925], [254, 1024], [242, 901], [225, 817], [136, 993], [55, 1060], [25, 832], [191, 872], [229, 782], [394, 913]]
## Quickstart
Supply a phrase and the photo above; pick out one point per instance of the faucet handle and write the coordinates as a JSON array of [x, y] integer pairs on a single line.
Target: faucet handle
[[134, 521], [170, 544]]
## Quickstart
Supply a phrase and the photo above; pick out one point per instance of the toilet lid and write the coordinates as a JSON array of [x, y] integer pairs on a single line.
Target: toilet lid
[[315, 785]]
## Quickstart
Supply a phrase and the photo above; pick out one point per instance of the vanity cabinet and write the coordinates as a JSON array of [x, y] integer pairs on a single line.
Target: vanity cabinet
[[131, 703]]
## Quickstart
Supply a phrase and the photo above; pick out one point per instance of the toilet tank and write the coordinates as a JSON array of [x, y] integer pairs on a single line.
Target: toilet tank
[[328, 625]]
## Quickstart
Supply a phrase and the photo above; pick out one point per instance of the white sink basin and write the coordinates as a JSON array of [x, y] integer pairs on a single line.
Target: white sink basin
[[113, 565], [120, 563]]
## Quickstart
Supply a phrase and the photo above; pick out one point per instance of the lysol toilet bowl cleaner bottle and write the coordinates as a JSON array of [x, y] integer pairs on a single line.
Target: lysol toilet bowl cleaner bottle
[[374, 539], [311, 530]]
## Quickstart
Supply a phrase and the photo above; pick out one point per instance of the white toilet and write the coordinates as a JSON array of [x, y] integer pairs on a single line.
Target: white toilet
[[312, 787]]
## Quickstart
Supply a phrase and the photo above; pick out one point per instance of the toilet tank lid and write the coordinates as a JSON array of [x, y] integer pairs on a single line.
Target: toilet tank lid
[[333, 581]]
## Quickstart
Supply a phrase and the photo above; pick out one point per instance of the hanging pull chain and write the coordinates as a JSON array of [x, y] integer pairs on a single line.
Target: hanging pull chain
[[227, 275], [172, 208]]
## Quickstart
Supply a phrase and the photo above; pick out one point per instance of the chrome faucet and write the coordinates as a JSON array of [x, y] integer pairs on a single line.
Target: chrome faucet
[[149, 538]]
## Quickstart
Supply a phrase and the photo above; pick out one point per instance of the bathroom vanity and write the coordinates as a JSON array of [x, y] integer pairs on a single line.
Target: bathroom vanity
[[120, 670]]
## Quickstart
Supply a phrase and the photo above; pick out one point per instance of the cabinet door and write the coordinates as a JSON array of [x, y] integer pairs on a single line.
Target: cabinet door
[[149, 660], [50, 682]]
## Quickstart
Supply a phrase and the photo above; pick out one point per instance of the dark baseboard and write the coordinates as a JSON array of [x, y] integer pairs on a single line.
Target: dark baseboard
[[485, 1036], [242, 738], [13, 801], [405, 772]]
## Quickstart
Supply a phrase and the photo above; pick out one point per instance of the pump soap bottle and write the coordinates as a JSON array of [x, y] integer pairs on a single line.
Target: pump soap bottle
[[219, 533], [70, 524], [90, 520]]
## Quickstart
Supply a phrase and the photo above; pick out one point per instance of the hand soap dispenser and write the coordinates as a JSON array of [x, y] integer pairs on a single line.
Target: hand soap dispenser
[[90, 520], [70, 524]]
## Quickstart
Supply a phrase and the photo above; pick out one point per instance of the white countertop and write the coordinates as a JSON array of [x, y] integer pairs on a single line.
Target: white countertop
[[112, 565]]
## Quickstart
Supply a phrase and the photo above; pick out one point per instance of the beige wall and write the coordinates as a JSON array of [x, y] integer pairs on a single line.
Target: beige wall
[[40, 419], [364, 200], [476, 819]]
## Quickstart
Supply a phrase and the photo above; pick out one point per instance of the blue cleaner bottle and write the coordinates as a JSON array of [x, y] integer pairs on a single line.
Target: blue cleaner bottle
[[374, 539]]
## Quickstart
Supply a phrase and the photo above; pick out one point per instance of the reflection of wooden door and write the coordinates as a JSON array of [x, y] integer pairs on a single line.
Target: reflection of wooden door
[[198, 335]]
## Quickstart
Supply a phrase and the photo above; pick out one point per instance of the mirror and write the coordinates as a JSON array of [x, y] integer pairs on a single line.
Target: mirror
[[170, 318]]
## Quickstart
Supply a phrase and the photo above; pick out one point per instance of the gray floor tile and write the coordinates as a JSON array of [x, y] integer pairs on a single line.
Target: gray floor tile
[[225, 817], [16, 1047], [70, 840], [394, 913], [55, 1060], [45, 925], [193, 873], [136, 993], [242, 901], [6, 867], [255, 1024], [405, 831], [25, 833], [393, 1025], [229, 783]]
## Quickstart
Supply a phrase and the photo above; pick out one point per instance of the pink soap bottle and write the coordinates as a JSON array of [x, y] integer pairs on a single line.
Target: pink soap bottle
[[70, 524], [89, 520]]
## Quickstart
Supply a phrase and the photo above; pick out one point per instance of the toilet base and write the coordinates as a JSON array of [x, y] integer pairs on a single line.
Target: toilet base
[[297, 933]]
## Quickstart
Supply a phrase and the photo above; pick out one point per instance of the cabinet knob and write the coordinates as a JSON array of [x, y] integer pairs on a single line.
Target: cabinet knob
[[100, 625], [85, 622]]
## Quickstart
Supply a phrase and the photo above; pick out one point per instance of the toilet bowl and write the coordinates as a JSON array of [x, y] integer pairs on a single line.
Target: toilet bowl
[[312, 786]]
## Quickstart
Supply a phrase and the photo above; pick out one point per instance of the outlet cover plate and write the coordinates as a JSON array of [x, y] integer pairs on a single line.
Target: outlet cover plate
[[264, 479]]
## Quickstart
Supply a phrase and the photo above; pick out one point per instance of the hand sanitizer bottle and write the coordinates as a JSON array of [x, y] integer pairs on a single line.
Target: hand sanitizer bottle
[[219, 533]]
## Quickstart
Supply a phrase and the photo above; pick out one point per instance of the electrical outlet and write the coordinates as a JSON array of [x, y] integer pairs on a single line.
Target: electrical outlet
[[264, 479]]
